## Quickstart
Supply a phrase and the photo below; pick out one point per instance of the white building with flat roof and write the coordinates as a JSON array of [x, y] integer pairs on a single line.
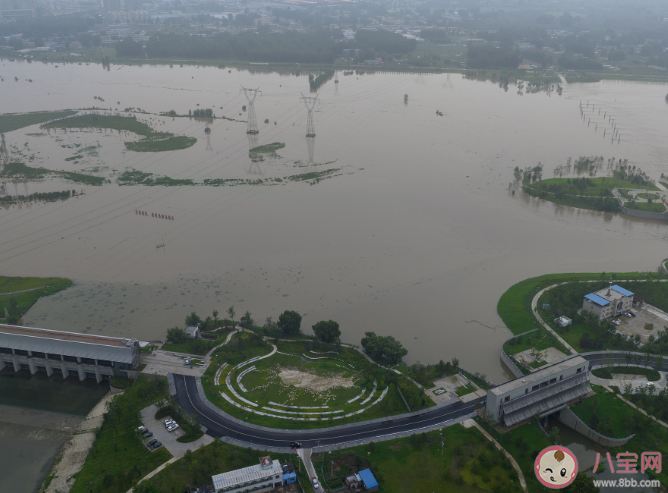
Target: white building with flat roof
[[608, 302], [67, 353], [544, 391], [266, 475]]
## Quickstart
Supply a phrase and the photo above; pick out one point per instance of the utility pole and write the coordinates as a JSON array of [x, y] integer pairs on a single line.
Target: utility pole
[[251, 94], [310, 103]]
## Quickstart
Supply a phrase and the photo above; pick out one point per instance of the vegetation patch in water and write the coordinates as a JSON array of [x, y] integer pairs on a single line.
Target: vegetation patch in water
[[20, 170], [14, 121], [126, 123], [170, 144], [257, 153], [315, 176], [135, 177], [37, 197]]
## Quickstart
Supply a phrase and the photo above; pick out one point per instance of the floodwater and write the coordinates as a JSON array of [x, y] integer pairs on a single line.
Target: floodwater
[[415, 234], [37, 416]]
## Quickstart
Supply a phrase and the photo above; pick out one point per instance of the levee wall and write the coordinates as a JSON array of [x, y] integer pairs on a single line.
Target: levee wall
[[569, 418], [661, 216], [507, 360]]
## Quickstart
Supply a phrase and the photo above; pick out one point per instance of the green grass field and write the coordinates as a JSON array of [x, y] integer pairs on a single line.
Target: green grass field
[[38, 286], [467, 389], [523, 443], [118, 457], [653, 196], [646, 206], [170, 144], [264, 385], [467, 462], [597, 187], [652, 375], [541, 339], [14, 121]]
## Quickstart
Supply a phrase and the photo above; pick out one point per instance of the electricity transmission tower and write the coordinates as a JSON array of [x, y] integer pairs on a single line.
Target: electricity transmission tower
[[251, 94], [310, 103]]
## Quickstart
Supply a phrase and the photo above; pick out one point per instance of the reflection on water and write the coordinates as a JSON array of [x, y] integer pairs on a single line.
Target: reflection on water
[[413, 235], [310, 144]]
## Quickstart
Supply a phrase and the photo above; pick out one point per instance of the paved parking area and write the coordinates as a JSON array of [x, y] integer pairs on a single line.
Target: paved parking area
[[168, 439], [165, 362], [645, 315], [621, 380]]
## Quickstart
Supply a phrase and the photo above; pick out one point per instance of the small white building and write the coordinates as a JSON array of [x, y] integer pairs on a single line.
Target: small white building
[[266, 475], [193, 332], [608, 302], [563, 321], [544, 391]]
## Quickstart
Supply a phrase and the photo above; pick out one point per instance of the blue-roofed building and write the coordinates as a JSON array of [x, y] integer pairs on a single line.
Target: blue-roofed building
[[608, 302], [369, 481]]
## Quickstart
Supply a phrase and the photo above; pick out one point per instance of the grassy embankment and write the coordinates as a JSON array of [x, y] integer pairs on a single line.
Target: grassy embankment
[[646, 206], [24, 172], [197, 347], [466, 462], [118, 457], [610, 416], [652, 375], [264, 385], [196, 468], [153, 141], [586, 334], [593, 194], [37, 286], [13, 121], [523, 443]]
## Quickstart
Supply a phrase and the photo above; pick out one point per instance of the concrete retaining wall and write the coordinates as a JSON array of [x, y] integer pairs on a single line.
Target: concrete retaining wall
[[663, 265], [511, 365], [568, 417], [662, 216]]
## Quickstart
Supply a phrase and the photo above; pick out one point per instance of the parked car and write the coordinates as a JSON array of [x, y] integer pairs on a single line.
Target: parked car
[[616, 321], [632, 314], [169, 422], [316, 485], [627, 314], [147, 434], [186, 362], [172, 427], [650, 384], [142, 429], [155, 440], [157, 445]]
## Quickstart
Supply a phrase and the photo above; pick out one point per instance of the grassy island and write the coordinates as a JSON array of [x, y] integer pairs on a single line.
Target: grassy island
[[25, 172], [14, 121], [257, 153], [153, 141], [583, 193], [18, 294]]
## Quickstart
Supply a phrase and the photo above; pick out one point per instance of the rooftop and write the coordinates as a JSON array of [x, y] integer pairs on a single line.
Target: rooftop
[[246, 475], [605, 296], [597, 299], [63, 336], [541, 374]]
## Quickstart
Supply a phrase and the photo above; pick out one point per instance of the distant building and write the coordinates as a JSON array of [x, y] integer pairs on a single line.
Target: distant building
[[542, 392], [16, 9], [193, 332], [266, 475], [67, 353], [608, 302]]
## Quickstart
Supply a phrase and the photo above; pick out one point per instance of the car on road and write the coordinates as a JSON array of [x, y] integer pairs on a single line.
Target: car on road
[[316, 485], [186, 362]]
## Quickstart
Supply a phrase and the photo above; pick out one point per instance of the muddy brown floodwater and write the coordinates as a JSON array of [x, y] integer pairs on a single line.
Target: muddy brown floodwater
[[415, 234]]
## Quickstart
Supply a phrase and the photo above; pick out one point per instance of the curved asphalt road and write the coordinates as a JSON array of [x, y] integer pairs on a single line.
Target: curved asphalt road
[[218, 425]]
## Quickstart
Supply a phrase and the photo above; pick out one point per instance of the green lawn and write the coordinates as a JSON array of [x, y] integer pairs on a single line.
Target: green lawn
[[646, 206], [170, 144], [652, 375], [264, 385], [118, 457], [14, 121], [523, 443], [653, 196], [467, 462], [40, 286], [540, 339], [194, 346], [466, 389], [610, 416]]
